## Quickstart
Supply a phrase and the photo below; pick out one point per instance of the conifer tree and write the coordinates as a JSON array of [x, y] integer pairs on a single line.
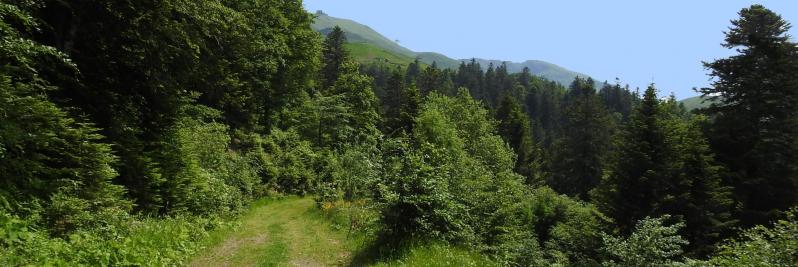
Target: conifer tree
[[491, 87], [413, 72], [361, 102], [754, 127], [525, 77], [334, 55], [431, 79], [411, 102], [664, 166], [580, 153], [392, 102], [515, 130]]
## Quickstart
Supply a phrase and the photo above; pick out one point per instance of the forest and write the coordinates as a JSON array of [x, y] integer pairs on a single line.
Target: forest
[[132, 132]]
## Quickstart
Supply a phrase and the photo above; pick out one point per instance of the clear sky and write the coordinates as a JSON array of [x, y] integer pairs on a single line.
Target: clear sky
[[636, 41]]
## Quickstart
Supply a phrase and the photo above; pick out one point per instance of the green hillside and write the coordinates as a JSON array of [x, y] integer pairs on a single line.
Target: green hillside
[[442, 60], [358, 33], [695, 102], [367, 53], [361, 35], [540, 68]]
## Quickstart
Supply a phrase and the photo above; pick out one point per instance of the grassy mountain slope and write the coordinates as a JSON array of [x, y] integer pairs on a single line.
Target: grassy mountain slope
[[388, 49], [358, 33], [695, 102], [540, 68], [442, 60], [367, 53]]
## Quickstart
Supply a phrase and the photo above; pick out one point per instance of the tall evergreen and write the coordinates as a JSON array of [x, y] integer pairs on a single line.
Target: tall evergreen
[[413, 72], [334, 55], [491, 87], [515, 130], [51, 165], [431, 79], [392, 102], [471, 77], [618, 99], [579, 155], [361, 105], [754, 127], [409, 107], [525, 77], [664, 166]]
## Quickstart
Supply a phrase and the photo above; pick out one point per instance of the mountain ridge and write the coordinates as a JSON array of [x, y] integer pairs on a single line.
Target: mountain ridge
[[360, 33]]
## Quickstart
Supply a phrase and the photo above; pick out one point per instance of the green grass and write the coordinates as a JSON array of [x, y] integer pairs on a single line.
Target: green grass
[[438, 255], [359, 33], [369, 53], [293, 232], [286, 232]]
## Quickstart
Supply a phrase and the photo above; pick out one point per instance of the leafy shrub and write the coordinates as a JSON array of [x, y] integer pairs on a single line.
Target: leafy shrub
[[651, 244], [205, 177], [415, 198], [286, 162], [129, 242], [48, 157], [761, 246]]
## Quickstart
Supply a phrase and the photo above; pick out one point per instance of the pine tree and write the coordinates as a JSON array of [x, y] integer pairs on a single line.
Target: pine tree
[[51, 165], [664, 166], [471, 77], [431, 79], [362, 104], [640, 172], [525, 77], [413, 72], [515, 130], [491, 87], [580, 153], [618, 99], [334, 55], [392, 102], [411, 102], [755, 115]]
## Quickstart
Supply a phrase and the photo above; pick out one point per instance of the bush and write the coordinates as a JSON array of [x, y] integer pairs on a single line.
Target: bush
[[204, 176], [129, 242], [415, 197], [286, 162], [761, 246], [651, 244], [48, 157]]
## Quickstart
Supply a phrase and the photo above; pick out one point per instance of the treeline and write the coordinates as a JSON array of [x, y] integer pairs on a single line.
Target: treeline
[[128, 129]]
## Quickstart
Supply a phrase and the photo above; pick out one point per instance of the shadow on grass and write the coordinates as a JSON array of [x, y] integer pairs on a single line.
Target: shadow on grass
[[383, 249]]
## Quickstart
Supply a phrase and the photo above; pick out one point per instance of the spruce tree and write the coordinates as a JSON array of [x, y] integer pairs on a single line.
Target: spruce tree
[[334, 55], [392, 102], [525, 77], [664, 166], [491, 87], [579, 155], [413, 72], [408, 110], [431, 79], [754, 127], [515, 130], [640, 172], [361, 102]]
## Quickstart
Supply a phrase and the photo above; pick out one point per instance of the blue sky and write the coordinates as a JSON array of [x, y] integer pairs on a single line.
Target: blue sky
[[636, 41]]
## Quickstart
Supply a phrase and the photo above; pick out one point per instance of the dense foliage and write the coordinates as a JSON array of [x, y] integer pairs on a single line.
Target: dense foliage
[[129, 129]]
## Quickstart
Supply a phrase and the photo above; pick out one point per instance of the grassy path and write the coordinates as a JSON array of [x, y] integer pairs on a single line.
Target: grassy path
[[287, 232], [293, 232]]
